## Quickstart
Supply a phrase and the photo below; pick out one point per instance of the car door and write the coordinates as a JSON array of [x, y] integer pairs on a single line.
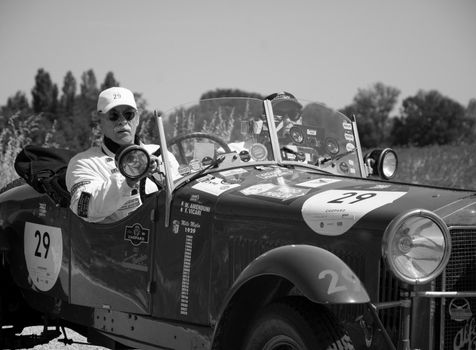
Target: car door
[[111, 263]]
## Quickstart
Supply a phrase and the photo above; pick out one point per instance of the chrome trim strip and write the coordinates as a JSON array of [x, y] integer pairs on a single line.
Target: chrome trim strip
[[272, 131], [168, 172]]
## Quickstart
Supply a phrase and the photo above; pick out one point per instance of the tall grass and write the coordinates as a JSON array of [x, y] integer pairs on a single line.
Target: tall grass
[[20, 131], [447, 166]]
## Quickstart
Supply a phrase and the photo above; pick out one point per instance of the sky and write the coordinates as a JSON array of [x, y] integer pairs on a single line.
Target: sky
[[172, 51]]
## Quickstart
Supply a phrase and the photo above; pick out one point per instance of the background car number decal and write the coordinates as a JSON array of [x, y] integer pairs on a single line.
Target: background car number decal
[[333, 212], [43, 249]]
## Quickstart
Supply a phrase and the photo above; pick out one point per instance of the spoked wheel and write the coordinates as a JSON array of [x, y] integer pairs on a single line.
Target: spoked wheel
[[296, 324]]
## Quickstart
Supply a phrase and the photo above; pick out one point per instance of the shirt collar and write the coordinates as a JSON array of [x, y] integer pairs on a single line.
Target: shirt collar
[[110, 148]]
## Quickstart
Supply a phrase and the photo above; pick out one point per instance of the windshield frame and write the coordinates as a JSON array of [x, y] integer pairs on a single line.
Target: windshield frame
[[276, 157]]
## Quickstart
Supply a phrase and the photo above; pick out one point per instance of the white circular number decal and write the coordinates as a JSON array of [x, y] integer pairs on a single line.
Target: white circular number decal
[[334, 212], [43, 254]]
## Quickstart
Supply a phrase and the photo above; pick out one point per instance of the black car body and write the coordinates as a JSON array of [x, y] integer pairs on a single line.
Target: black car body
[[270, 239]]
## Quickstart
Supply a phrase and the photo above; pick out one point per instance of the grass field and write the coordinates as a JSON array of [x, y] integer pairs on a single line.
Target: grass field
[[447, 166]]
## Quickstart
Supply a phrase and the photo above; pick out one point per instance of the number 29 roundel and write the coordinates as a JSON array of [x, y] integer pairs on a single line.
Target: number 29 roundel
[[334, 212], [43, 246]]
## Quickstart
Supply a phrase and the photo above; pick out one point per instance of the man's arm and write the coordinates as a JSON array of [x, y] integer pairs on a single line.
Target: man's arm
[[95, 194]]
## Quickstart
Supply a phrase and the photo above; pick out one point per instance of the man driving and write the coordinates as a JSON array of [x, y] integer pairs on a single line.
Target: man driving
[[99, 192]]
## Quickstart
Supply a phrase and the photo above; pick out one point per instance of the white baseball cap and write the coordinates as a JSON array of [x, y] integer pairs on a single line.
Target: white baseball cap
[[115, 96]]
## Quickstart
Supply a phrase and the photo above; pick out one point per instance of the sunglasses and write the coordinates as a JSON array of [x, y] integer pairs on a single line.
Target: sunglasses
[[114, 115]]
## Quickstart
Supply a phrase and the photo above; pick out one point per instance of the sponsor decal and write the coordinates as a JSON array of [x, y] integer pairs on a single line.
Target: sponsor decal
[[42, 210], [195, 165], [136, 234], [43, 248], [280, 192], [190, 227], [347, 125], [349, 137], [314, 183], [344, 167], [379, 187], [195, 198], [275, 173], [184, 170], [175, 226], [187, 261], [206, 178], [131, 203], [312, 132], [193, 208], [257, 189], [334, 212], [83, 204], [78, 185], [233, 172], [215, 186], [258, 151]]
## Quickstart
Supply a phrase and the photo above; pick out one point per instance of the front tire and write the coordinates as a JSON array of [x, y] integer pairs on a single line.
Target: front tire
[[296, 324]]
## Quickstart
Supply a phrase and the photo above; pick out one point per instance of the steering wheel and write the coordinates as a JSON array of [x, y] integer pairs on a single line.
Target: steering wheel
[[178, 140]]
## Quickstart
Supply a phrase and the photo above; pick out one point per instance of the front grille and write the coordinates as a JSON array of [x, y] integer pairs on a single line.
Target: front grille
[[243, 250], [389, 290], [460, 276]]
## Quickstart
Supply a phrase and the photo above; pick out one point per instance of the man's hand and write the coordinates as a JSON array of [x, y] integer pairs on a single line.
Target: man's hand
[[153, 168]]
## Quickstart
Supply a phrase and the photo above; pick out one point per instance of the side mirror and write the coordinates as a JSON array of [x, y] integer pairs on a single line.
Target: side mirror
[[382, 162], [132, 161]]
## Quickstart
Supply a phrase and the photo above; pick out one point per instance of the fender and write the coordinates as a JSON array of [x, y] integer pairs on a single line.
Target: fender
[[320, 275]]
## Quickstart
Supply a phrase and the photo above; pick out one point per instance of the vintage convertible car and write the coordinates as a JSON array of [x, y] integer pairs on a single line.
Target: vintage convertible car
[[279, 233]]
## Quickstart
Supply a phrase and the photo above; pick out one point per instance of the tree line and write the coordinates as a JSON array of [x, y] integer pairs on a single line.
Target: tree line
[[67, 117]]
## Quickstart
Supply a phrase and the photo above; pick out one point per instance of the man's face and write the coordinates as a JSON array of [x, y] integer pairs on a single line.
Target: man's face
[[120, 124]]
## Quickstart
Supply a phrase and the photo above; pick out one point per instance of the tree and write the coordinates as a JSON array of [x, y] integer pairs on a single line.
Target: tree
[[471, 109], [372, 108], [69, 94], [84, 108], [470, 114], [431, 118], [16, 105], [88, 86], [45, 93], [230, 93], [109, 81]]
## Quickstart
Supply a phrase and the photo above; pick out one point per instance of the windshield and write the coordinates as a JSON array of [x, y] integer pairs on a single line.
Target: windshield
[[233, 132]]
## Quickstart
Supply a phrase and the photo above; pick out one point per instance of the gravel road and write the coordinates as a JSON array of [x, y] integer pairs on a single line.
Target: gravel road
[[54, 344]]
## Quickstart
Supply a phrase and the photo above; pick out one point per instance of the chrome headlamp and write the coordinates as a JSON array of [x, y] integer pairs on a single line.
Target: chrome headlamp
[[416, 246], [382, 162]]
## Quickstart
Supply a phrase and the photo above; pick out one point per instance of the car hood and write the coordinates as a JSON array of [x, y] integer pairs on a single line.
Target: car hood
[[328, 204]]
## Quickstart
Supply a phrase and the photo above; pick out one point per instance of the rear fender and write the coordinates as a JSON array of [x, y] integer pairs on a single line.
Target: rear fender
[[321, 276]]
